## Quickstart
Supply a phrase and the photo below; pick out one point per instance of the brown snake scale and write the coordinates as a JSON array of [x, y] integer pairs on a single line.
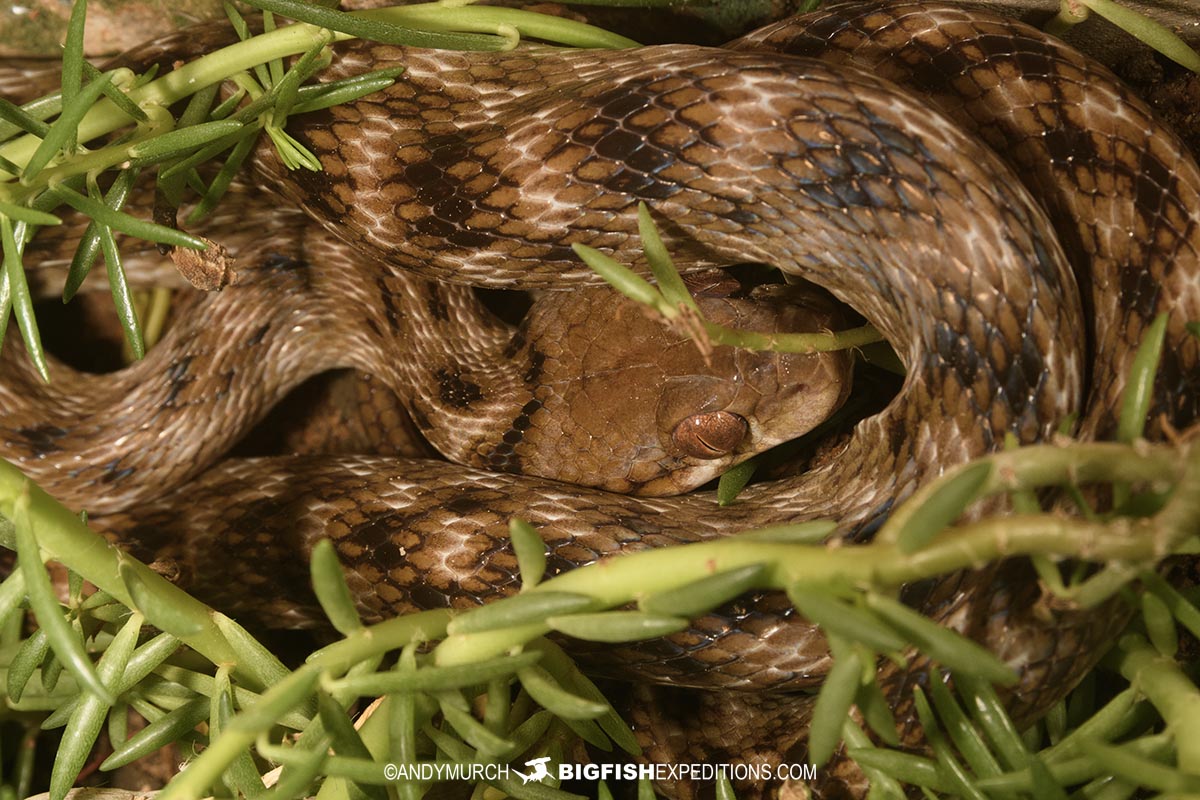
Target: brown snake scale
[[794, 146]]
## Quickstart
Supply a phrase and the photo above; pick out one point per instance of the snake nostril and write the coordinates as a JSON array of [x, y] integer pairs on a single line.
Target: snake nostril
[[710, 435]]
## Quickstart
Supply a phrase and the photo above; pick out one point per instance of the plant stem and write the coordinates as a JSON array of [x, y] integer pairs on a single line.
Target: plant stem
[[64, 538], [1170, 690], [290, 40], [188, 79]]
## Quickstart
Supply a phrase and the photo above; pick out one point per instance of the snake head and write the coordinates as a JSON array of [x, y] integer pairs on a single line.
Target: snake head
[[632, 405]]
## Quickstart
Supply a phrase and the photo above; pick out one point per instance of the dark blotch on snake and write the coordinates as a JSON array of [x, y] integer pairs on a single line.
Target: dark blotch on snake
[[178, 378], [537, 361], [259, 515], [464, 505], [514, 344], [113, 472], [455, 391], [390, 307], [278, 262], [42, 439], [257, 336], [437, 307]]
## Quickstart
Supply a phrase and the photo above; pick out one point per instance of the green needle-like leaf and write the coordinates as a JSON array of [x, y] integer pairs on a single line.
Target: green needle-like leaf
[[948, 763], [132, 226], [121, 295], [883, 785], [1139, 386], [876, 713], [84, 726], [62, 132], [344, 738], [169, 728], [962, 733], [1184, 611], [253, 658], [734, 479], [181, 140], [224, 178], [563, 669], [519, 610], [329, 584], [291, 151], [943, 507], [430, 679], [624, 280], [114, 93], [699, 597], [588, 731], [282, 697], [1160, 625], [315, 98], [528, 733], [988, 712], [26, 661], [902, 766], [44, 603], [20, 298], [475, 732], [833, 706], [21, 119], [724, 788], [617, 626], [287, 89], [39, 111], [942, 645], [403, 724], [240, 26], [27, 214], [545, 690], [72, 59], [118, 723], [845, 620], [275, 65], [376, 30], [51, 667], [194, 114], [89, 244], [530, 550], [669, 282], [162, 615]]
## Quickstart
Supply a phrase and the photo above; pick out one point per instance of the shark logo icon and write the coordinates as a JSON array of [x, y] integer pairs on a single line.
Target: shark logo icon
[[538, 772]]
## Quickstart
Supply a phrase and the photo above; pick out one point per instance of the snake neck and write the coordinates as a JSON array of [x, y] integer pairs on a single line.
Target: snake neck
[[453, 364]]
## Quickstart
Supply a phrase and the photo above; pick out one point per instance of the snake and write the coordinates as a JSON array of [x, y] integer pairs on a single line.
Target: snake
[[1005, 212]]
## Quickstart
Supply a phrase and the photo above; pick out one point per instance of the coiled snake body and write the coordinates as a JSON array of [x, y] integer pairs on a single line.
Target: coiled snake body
[[1010, 313]]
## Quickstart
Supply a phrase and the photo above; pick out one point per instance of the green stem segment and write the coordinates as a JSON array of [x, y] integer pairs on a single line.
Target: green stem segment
[[291, 40], [64, 538], [883, 565], [1170, 690]]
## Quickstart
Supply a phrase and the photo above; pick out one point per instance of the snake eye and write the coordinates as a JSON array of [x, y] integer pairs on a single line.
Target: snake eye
[[710, 435]]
